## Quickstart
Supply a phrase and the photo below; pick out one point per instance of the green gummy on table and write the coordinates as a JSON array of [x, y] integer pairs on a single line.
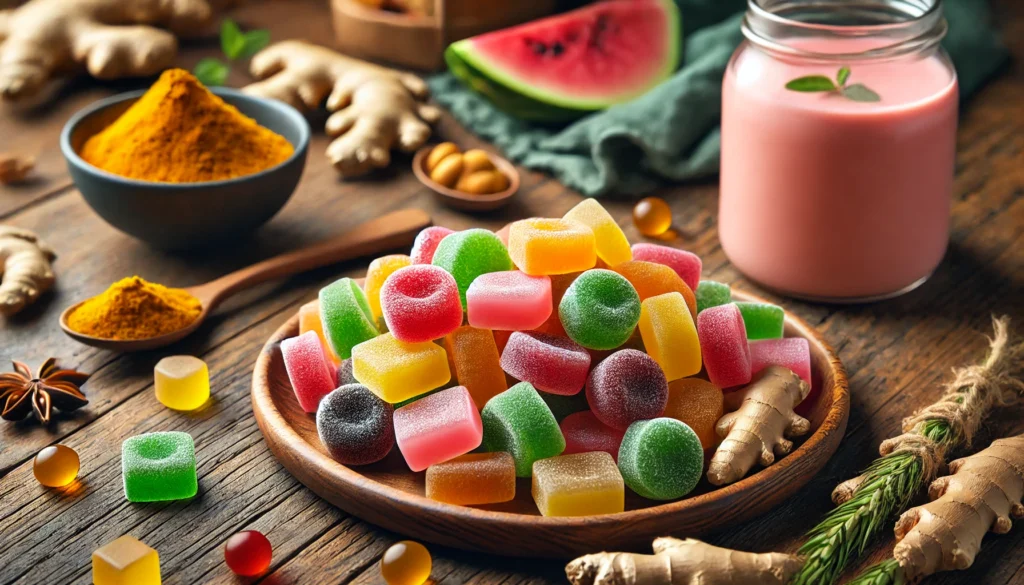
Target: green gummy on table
[[661, 458], [600, 309], [159, 466], [711, 294], [346, 317], [470, 253], [518, 422], [762, 320]]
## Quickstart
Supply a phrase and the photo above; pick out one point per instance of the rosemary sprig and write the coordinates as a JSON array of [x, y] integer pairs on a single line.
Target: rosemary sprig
[[887, 572]]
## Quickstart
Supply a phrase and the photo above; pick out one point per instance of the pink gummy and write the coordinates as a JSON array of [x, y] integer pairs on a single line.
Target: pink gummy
[[438, 427], [511, 301], [503, 233], [584, 433], [723, 345], [625, 387], [686, 264], [421, 303], [311, 375], [426, 242], [791, 352], [557, 365]]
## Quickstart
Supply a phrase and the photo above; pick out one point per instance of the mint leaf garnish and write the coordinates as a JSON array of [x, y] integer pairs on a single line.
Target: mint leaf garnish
[[255, 40], [842, 76], [232, 39], [858, 92], [812, 83], [211, 71]]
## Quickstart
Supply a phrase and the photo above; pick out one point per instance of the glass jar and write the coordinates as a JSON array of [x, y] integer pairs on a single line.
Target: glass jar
[[837, 187]]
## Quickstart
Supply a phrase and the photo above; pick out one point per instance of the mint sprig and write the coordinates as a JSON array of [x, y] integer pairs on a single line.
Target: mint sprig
[[857, 92], [235, 44]]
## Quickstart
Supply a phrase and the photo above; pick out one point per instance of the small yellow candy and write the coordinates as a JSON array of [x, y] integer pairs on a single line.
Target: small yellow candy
[[125, 561], [182, 382], [56, 466], [612, 244], [405, 563], [395, 370], [669, 335]]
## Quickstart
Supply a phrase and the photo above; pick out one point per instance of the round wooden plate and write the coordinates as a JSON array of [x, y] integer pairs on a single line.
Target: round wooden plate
[[389, 495]]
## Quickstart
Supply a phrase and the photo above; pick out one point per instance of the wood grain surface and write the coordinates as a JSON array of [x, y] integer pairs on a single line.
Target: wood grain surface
[[897, 353]]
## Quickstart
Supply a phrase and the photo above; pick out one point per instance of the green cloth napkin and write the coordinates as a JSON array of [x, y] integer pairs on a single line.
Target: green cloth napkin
[[671, 133]]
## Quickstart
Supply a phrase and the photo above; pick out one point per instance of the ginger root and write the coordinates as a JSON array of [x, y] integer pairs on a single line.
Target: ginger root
[[109, 38], [15, 168], [375, 108], [25, 268], [756, 432], [983, 492], [683, 562]]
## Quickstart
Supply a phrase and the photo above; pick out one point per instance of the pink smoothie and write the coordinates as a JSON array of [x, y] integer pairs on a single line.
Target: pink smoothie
[[825, 197]]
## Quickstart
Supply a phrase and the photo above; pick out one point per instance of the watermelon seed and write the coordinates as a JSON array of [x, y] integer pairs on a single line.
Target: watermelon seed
[[557, 49]]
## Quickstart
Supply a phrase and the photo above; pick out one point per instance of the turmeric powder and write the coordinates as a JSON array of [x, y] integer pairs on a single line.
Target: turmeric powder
[[179, 132], [135, 309]]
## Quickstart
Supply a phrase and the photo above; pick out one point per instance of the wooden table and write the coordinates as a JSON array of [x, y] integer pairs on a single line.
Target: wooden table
[[897, 352]]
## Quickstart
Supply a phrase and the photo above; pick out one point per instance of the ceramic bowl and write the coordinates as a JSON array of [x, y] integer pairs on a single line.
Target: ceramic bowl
[[467, 201], [187, 215]]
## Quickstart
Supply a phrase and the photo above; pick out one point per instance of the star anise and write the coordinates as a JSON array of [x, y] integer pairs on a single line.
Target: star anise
[[51, 387]]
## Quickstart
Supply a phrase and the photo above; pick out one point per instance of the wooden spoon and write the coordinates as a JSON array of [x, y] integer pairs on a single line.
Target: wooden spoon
[[384, 233]]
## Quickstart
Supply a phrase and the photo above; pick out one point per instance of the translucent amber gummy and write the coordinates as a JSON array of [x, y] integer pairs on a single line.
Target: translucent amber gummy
[[309, 320], [56, 466], [473, 479], [652, 216], [125, 561], [578, 485], [182, 382], [405, 563]]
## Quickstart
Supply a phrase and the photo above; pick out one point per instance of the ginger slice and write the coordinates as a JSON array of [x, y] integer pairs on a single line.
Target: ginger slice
[[25, 268]]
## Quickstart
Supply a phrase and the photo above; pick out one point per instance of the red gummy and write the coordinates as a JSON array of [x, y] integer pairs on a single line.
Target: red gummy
[[625, 387], [790, 352], [426, 243], [723, 345], [421, 303], [584, 433], [248, 553], [686, 264], [557, 365]]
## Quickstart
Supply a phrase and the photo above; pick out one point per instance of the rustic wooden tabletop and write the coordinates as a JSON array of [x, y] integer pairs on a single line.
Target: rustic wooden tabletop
[[897, 352]]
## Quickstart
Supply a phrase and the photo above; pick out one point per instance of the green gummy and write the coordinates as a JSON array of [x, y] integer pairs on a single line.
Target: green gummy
[[470, 253], [711, 294], [661, 459], [762, 320], [346, 317], [562, 406], [158, 467], [518, 422], [600, 309]]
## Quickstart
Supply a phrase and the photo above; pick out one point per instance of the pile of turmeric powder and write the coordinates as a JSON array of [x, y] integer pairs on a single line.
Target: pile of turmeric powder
[[135, 309], [179, 132]]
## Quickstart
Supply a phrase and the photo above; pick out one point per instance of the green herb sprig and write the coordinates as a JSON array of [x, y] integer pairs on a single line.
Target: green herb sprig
[[857, 92], [236, 45]]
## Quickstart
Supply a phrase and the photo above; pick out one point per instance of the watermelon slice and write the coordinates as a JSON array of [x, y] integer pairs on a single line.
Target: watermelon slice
[[573, 63]]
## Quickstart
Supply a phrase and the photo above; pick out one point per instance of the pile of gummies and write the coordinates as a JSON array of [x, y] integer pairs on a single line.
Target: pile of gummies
[[574, 355]]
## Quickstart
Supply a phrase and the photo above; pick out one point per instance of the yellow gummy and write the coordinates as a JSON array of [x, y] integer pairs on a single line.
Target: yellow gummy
[[125, 561], [396, 370], [581, 484], [182, 382], [611, 243], [543, 246], [379, 271], [309, 320], [669, 335]]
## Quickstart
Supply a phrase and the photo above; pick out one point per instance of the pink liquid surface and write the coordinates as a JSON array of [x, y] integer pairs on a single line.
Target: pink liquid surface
[[825, 197]]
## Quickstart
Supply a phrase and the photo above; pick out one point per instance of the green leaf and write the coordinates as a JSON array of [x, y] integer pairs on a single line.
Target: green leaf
[[211, 71], [812, 83], [255, 40], [842, 76], [232, 40], [859, 92]]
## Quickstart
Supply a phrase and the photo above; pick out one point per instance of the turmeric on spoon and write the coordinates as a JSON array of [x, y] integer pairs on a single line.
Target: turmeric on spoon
[[135, 309]]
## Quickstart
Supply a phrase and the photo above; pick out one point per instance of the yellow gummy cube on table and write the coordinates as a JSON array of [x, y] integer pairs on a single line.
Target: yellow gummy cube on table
[[578, 485], [611, 243], [309, 320], [379, 271], [396, 370], [669, 335], [125, 561], [544, 246], [182, 382]]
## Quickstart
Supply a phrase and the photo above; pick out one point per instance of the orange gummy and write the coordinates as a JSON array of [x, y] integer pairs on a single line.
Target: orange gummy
[[650, 280], [545, 246], [309, 320], [652, 216], [476, 362], [473, 479], [699, 404]]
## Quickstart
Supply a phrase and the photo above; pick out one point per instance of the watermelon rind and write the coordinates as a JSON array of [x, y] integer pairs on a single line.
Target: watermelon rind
[[480, 66]]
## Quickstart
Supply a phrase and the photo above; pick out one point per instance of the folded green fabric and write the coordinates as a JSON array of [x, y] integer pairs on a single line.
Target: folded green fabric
[[671, 133]]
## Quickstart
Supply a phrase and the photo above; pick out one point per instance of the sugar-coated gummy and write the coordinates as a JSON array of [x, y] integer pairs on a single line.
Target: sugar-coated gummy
[[311, 375], [510, 300], [793, 353], [396, 370], [686, 264], [661, 459], [518, 422], [125, 561], [346, 316], [354, 425], [438, 427], [421, 303], [582, 484], [625, 387], [476, 362], [426, 243], [670, 335], [345, 373], [544, 246], [611, 243], [699, 404], [723, 345], [584, 433], [651, 279], [473, 479], [377, 274], [157, 467], [712, 294], [552, 364], [600, 309], [470, 253], [762, 320]]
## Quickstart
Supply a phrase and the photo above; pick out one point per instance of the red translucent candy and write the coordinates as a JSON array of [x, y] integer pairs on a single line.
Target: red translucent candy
[[552, 364], [626, 387], [686, 264], [584, 433], [723, 345], [421, 303], [248, 553], [426, 242]]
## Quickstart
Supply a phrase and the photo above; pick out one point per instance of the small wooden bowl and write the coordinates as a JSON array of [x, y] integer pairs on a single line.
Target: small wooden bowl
[[467, 201], [389, 495]]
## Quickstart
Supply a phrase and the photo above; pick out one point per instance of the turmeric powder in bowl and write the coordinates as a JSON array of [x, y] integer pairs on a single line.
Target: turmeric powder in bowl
[[180, 132], [135, 309]]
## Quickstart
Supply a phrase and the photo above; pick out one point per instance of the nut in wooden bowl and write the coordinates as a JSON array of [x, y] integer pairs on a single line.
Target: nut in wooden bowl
[[474, 180]]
